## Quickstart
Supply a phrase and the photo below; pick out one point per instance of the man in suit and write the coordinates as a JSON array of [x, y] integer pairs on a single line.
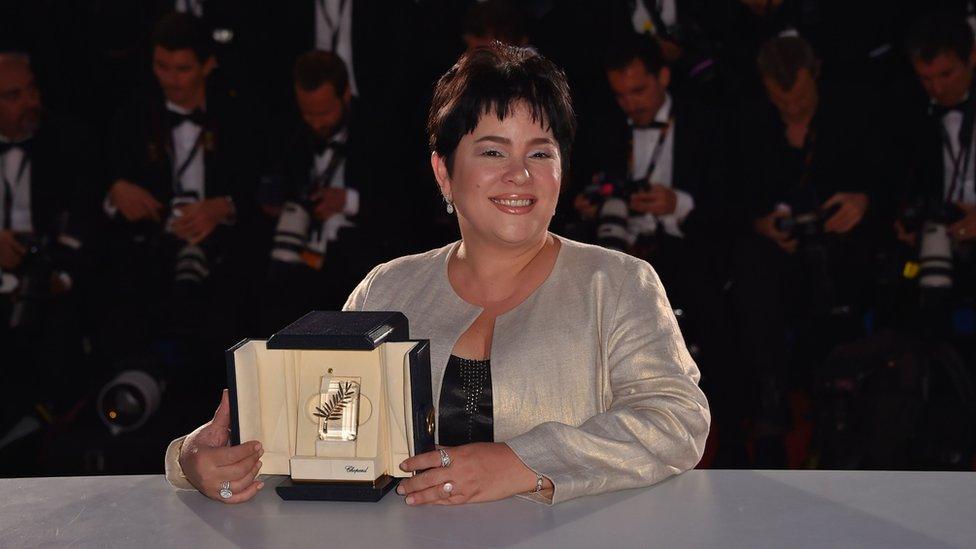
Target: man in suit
[[936, 144], [332, 220], [46, 177], [811, 168], [665, 157], [182, 172]]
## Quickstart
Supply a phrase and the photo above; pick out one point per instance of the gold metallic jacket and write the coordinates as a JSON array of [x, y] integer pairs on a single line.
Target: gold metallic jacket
[[591, 383]]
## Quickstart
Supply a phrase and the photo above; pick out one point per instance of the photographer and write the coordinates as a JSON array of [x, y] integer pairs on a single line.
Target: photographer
[[45, 174], [182, 175], [330, 223], [938, 140], [810, 167]]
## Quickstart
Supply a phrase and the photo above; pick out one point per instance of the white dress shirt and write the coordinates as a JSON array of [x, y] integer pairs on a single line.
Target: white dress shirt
[[645, 141], [17, 177], [332, 225], [952, 122], [335, 17], [184, 138], [193, 7], [642, 21]]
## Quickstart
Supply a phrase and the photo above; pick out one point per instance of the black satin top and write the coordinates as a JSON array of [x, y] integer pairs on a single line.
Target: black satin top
[[465, 413]]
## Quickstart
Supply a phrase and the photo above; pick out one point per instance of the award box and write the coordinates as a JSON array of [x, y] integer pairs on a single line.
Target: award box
[[337, 400]]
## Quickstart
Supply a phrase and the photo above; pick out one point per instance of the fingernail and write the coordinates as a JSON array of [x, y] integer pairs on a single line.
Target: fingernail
[[402, 468], [257, 447], [260, 485], [259, 464], [410, 500], [260, 453], [400, 490]]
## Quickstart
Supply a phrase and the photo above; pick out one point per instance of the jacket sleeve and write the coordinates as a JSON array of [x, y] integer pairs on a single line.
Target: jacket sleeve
[[171, 465], [656, 418]]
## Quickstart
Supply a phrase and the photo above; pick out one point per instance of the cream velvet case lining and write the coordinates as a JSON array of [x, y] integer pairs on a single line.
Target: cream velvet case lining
[[337, 399]]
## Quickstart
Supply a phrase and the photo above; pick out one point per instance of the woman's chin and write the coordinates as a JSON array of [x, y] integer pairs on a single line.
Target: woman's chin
[[521, 236]]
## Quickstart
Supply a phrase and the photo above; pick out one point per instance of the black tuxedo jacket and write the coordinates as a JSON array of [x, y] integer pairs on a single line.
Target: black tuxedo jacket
[[63, 188], [923, 172], [846, 156], [140, 149]]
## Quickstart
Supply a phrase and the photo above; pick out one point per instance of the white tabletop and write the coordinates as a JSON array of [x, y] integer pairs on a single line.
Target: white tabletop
[[726, 509]]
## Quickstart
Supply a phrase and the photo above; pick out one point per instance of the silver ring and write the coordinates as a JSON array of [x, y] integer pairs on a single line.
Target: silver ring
[[445, 458], [448, 487], [225, 492]]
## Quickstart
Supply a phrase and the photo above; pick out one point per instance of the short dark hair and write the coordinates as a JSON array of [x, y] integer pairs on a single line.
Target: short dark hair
[[492, 80], [181, 31], [499, 19], [316, 67], [782, 58], [630, 47], [938, 33]]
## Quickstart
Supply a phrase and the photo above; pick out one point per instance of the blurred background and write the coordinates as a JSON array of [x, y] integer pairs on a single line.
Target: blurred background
[[181, 174]]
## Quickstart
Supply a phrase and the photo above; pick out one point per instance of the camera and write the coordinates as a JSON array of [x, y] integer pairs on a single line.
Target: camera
[[192, 266], [291, 233], [806, 225], [935, 262], [33, 288], [297, 238], [130, 398], [618, 226]]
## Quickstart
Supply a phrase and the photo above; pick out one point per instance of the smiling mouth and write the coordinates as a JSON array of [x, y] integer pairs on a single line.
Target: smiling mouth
[[513, 202]]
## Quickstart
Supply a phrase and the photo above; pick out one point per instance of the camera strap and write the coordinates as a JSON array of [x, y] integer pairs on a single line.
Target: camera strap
[[658, 149], [10, 186], [322, 181], [961, 156], [325, 178], [181, 169]]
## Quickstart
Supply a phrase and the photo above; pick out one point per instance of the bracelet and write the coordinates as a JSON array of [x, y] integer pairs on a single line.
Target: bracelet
[[538, 483]]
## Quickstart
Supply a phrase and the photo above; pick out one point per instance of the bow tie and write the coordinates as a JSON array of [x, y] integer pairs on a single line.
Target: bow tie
[[940, 111], [655, 125], [197, 117], [24, 145], [321, 145]]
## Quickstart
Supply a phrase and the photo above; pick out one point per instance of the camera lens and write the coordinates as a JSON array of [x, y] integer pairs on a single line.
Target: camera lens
[[126, 402]]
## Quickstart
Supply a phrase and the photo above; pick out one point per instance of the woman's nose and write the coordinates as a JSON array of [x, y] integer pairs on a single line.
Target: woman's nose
[[518, 173]]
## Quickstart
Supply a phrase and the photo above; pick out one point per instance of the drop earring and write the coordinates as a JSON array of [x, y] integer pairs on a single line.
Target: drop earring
[[450, 206]]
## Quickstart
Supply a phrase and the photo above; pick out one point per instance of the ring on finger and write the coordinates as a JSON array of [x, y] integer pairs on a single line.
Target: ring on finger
[[445, 458], [225, 492]]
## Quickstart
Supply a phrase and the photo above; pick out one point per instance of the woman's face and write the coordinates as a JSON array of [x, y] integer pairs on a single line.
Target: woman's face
[[505, 181]]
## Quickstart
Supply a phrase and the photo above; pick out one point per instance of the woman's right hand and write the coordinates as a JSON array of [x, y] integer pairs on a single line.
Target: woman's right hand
[[207, 460]]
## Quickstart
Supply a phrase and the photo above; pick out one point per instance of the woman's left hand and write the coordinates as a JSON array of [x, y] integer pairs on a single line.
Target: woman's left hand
[[483, 471]]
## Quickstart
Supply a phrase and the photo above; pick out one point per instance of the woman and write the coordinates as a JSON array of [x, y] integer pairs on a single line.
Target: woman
[[568, 353]]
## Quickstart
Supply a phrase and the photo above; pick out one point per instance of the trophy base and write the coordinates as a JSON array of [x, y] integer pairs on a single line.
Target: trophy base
[[336, 491]]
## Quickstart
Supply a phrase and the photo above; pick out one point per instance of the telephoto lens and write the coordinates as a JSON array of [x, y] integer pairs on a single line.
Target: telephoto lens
[[934, 257], [612, 230], [128, 400], [291, 234]]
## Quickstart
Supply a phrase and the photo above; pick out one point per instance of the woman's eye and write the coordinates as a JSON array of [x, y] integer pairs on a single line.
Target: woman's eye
[[541, 154], [491, 152]]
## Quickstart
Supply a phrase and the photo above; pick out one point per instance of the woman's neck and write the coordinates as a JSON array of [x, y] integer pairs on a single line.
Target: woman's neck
[[491, 274]]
